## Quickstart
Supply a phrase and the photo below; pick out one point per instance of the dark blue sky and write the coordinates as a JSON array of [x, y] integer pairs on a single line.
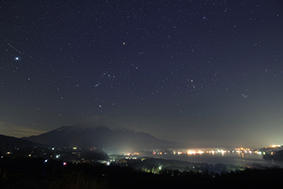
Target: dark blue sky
[[197, 71]]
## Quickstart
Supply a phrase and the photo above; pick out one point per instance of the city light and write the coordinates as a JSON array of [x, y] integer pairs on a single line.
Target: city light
[[195, 152], [209, 151], [275, 146]]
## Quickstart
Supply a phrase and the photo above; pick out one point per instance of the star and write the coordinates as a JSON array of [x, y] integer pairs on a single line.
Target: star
[[97, 85], [17, 58], [100, 107], [245, 96]]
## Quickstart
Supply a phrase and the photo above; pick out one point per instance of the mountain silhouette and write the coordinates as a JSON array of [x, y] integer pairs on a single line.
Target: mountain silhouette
[[8, 143], [110, 140]]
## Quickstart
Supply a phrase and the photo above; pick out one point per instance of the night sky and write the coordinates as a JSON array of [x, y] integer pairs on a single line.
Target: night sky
[[202, 72]]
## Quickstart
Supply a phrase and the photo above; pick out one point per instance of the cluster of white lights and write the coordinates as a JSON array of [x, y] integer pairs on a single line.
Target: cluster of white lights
[[214, 151], [195, 152]]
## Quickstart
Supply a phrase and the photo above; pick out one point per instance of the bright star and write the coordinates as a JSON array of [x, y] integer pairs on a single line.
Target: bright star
[[17, 58]]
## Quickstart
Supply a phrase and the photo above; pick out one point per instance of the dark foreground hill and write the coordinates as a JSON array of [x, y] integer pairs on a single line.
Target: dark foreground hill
[[119, 140], [34, 174], [8, 143]]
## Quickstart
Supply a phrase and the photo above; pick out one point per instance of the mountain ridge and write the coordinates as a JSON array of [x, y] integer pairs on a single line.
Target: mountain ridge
[[111, 140], [10, 143]]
